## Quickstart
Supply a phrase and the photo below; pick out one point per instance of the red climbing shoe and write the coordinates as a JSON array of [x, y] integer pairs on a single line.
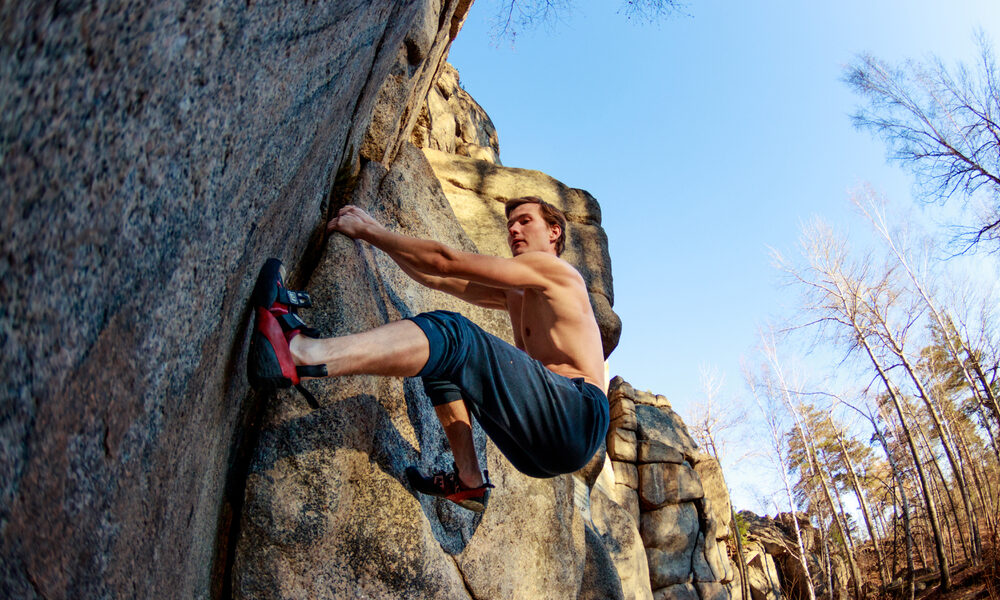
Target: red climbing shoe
[[276, 322], [448, 486]]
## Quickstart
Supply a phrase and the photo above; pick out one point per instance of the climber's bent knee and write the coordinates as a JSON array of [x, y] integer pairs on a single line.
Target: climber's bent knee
[[448, 337]]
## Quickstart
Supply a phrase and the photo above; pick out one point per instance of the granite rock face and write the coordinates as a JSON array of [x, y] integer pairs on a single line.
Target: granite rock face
[[453, 122], [667, 483], [152, 155], [617, 523], [152, 158]]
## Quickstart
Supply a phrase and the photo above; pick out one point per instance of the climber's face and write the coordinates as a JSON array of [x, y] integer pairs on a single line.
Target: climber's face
[[527, 231]]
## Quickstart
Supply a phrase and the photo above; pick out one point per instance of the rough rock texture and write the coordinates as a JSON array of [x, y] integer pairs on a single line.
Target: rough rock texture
[[681, 591], [678, 501], [710, 562], [669, 534], [718, 510], [711, 591], [151, 156], [626, 474], [735, 587], [600, 578], [774, 570], [622, 445], [762, 574], [659, 423], [453, 122], [618, 527], [667, 483], [651, 451]]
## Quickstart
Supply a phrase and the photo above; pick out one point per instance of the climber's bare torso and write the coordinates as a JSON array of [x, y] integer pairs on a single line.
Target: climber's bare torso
[[550, 311], [552, 320], [556, 326]]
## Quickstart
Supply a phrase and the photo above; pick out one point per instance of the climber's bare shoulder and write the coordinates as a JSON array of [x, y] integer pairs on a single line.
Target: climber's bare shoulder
[[553, 320]]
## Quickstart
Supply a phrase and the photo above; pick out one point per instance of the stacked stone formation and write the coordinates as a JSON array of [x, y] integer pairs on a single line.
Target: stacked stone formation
[[774, 570], [659, 474]]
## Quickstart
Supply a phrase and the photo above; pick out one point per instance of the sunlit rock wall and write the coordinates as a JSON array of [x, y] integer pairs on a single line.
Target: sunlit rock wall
[[675, 496], [774, 570], [454, 123]]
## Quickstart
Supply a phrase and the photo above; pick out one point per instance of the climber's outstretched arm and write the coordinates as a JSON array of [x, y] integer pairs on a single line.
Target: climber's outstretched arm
[[536, 270], [422, 260], [474, 293]]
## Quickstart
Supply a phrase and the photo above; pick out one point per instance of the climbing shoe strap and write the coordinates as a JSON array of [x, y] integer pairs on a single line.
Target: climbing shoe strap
[[296, 298], [291, 321], [311, 370]]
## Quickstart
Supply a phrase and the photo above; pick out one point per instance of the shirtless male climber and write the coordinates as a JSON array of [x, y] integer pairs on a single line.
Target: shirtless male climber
[[542, 403]]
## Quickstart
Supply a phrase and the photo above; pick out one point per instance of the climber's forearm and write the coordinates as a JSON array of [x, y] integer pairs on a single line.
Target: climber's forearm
[[477, 294], [431, 263], [425, 257], [430, 281], [428, 262]]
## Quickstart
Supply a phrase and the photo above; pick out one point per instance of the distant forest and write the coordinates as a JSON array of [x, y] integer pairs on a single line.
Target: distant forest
[[894, 456]]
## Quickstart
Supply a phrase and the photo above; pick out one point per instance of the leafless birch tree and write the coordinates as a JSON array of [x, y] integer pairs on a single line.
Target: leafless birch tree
[[788, 397], [843, 294], [941, 123], [965, 356], [894, 338], [713, 421], [767, 398], [866, 511]]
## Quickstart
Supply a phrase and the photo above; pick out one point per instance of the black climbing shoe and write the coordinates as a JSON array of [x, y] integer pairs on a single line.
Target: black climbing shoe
[[448, 486], [276, 322]]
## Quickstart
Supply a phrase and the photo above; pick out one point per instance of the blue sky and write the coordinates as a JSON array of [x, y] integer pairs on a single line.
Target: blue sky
[[706, 138]]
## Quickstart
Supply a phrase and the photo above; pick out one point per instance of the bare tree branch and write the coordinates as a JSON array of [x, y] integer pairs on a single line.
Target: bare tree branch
[[515, 16], [943, 125]]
